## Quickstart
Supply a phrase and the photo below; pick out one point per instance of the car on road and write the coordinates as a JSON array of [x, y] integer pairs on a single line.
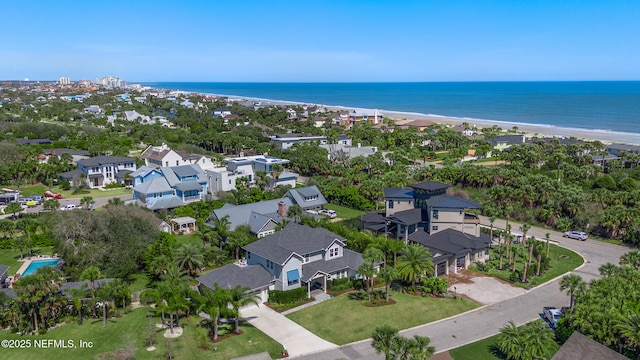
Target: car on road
[[32, 203], [330, 213], [578, 235], [68, 207], [552, 315]]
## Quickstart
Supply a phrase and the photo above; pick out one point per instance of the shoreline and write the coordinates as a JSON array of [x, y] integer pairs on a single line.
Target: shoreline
[[542, 130]]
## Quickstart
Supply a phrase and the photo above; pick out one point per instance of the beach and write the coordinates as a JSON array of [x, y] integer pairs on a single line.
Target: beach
[[539, 130]]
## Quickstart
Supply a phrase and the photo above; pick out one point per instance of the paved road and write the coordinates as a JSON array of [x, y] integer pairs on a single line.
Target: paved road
[[487, 320], [76, 201]]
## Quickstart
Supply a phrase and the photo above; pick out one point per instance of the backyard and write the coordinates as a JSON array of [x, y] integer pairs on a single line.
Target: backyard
[[344, 212], [11, 257], [130, 332], [342, 320]]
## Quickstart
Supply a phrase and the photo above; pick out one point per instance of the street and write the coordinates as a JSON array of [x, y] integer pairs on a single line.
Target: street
[[487, 321]]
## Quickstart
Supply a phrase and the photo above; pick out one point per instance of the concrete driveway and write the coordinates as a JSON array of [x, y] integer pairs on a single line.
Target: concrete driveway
[[481, 288], [297, 340], [486, 321]]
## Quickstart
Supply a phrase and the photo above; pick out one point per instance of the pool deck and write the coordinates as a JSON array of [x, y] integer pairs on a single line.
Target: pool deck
[[27, 262]]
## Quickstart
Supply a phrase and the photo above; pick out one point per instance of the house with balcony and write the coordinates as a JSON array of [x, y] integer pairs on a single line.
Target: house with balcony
[[99, 171], [164, 156], [301, 256], [224, 178], [424, 214], [168, 187]]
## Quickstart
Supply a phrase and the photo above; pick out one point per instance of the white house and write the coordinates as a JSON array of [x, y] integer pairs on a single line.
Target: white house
[[102, 170], [164, 156], [224, 178]]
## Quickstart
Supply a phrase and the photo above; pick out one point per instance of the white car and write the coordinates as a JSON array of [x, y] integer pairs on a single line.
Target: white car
[[68, 207], [578, 235], [552, 315], [330, 213]]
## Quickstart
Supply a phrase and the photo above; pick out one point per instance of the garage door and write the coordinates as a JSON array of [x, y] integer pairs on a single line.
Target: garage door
[[460, 262], [441, 268]]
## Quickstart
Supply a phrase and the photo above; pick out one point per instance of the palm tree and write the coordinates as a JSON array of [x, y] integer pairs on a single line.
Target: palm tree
[[511, 342], [547, 236], [572, 283], [415, 261], [388, 274], [384, 338], [295, 212], [492, 219], [395, 246], [607, 269], [630, 329], [239, 297], [189, 257], [91, 274], [421, 350], [87, 202], [115, 201], [77, 295], [524, 228], [211, 303], [367, 271], [632, 258], [262, 180], [221, 228], [538, 340], [240, 237]]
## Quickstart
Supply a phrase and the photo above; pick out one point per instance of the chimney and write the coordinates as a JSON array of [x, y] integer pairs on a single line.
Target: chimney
[[282, 209]]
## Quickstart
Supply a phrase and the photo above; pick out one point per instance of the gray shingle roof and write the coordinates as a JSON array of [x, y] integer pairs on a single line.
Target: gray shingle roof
[[66, 287], [398, 193], [187, 186], [449, 241], [444, 201], [157, 185], [407, 217], [349, 260], [430, 186], [508, 139], [298, 197], [105, 160], [580, 347], [170, 203], [241, 214], [294, 238], [258, 221], [61, 151], [69, 175], [143, 171], [230, 276], [184, 170]]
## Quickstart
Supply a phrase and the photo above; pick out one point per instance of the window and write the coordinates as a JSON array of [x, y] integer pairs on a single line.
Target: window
[[229, 181], [248, 255], [460, 211], [333, 252], [434, 227], [177, 162], [390, 204], [435, 214], [166, 163]]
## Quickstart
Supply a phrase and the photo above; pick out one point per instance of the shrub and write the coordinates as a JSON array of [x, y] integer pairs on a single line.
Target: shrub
[[65, 185], [435, 285], [287, 296], [339, 284], [114, 186]]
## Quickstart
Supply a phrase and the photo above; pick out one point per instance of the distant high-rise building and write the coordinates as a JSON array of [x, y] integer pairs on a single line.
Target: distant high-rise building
[[112, 81], [65, 81]]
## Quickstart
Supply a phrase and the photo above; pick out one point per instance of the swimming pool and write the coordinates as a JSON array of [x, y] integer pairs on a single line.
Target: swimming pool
[[36, 264]]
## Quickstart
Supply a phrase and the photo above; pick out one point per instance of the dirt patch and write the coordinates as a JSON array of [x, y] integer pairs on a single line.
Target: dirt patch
[[442, 356], [485, 289]]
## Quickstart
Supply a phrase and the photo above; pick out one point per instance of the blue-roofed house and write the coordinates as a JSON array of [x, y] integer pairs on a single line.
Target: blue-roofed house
[[168, 187]]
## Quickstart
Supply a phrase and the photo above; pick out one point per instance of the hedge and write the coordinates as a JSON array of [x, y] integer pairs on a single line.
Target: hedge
[[339, 284], [288, 296]]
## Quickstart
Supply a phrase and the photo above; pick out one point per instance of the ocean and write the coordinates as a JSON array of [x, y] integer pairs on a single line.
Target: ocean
[[611, 106]]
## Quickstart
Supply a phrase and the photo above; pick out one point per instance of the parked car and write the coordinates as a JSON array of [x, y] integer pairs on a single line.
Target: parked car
[[37, 198], [552, 315], [330, 213], [68, 207], [32, 203], [52, 195], [23, 201], [578, 235]]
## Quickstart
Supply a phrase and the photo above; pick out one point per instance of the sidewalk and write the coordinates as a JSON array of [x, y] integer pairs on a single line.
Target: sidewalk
[[296, 339]]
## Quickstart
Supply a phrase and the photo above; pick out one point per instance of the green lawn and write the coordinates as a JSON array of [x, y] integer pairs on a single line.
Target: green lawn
[[39, 189], [562, 261], [10, 257], [140, 282], [344, 212], [342, 320], [485, 349], [129, 332]]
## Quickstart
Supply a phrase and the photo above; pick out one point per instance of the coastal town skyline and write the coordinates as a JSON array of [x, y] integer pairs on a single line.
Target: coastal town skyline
[[348, 41]]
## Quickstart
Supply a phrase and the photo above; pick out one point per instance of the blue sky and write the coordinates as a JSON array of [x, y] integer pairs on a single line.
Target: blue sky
[[321, 41]]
